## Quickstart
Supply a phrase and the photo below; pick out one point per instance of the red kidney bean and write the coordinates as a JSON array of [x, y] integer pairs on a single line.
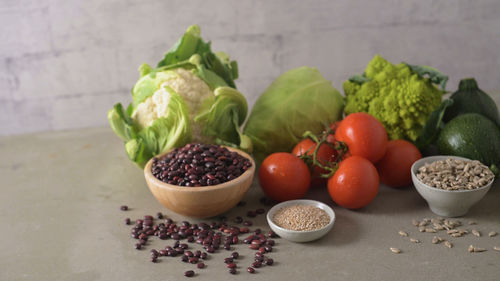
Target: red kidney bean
[[256, 264], [127, 221], [203, 256], [124, 207], [269, 261], [138, 246], [232, 270], [189, 273], [195, 165], [193, 260], [250, 270], [200, 265], [256, 242], [231, 265], [254, 247], [228, 260]]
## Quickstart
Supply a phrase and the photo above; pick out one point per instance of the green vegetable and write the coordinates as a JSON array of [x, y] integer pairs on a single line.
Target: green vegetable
[[473, 136], [400, 96], [433, 126], [189, 97], [299, 100], [470, 99]]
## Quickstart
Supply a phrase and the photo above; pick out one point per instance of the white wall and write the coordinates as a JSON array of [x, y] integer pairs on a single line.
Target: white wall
[[63, 64]]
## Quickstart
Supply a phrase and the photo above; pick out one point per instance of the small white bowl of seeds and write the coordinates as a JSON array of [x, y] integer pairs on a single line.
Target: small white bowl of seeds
[[451, 184], [301, 220]]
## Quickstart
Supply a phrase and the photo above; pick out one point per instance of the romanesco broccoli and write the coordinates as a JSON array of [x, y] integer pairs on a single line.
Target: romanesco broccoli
[[397, 95]]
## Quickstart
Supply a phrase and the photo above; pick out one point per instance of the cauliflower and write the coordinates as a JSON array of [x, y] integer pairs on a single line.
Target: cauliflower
[[189, 96], [397, 95], [190, 87]]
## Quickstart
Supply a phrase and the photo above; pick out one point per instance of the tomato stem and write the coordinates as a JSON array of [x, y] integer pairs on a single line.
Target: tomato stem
[[311, 160]]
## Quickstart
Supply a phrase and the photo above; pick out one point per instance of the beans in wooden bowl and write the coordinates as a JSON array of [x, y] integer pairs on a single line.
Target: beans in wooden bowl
[[199, 165]]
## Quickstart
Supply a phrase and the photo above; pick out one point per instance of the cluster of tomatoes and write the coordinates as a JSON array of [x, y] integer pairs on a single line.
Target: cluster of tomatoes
[[350, 159]]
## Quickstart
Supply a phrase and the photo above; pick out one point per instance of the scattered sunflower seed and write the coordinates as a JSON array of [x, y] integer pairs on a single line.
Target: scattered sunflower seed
[[492, 234], [415, 222], [476, 233], [437, 226], [423, 223], [457, 234], [395, 250], [448, 244], [414, 240], [496, 248], [421, 229], [430, 230], [437, 239], [475, 249], [402, 233]]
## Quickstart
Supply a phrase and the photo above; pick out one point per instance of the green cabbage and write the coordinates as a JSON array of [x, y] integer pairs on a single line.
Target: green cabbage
[[189, 96], [299, 100]]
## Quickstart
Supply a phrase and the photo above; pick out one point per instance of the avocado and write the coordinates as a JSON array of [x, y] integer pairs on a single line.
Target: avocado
[[472, 136]]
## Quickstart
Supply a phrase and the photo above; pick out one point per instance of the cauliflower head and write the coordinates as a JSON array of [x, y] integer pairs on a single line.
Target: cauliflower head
[[396, 95], [193, 90]]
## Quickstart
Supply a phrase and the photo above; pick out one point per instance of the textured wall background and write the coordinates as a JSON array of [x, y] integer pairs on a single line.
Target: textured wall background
[[63, 63]]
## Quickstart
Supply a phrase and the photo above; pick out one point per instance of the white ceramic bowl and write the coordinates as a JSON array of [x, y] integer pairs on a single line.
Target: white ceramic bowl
[[447, 203], [301, 236]]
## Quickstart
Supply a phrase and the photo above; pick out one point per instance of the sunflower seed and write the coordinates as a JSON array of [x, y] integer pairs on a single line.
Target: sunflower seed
[[476, 233], [415, 222], [470, 249], [496, 248], [430, 230], [423, 223], [452, 231], [421, 229], [395, 250], [402, 233], [437, 226], [475, 249], [414, 240], [458, 234], [492, 234], [448, 244], [437, 239]]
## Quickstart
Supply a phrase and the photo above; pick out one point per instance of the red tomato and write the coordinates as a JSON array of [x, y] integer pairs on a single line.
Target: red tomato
[[355, 184], [331, 138], [325, 155], [364, 135], [284, 176], [394, 168]]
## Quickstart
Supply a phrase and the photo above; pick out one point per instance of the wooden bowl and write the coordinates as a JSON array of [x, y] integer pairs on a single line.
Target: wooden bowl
[[202, 201]]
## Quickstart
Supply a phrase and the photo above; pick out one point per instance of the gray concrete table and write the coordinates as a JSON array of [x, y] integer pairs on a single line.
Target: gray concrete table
[[60, 220]]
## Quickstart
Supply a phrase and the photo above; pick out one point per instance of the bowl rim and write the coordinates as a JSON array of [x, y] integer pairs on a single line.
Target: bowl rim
[[309, 202], [437, 158], [161, 184]]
